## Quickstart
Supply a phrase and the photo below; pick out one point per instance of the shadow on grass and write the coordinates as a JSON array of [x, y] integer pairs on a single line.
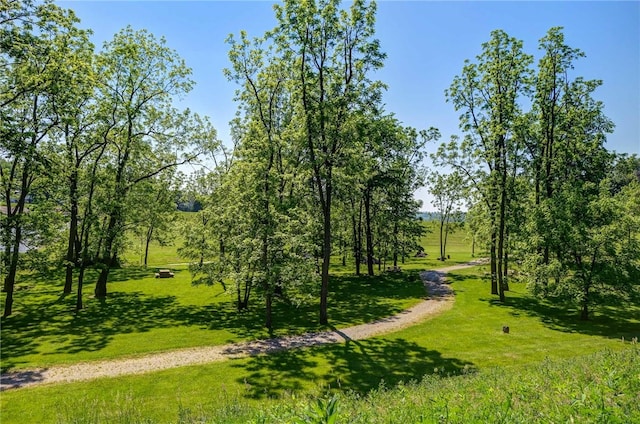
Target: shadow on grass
[[452, 277], [359, 366], [19, 379], [606, 321], [93, 328], [369, 298], [46, 323]]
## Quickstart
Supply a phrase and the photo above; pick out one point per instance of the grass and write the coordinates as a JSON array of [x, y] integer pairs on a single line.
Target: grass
[[465, 339], [593, 388], [143, 314], [599, 390], [160, 255]]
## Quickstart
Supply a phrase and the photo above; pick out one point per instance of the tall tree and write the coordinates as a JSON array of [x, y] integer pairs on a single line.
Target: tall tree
[[138, 78], [268, 165], [41, 55], [565, 144], [489, 93], [333, 53]]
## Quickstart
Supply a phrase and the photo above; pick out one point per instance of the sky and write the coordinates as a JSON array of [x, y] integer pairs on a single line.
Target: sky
[[426, 43]]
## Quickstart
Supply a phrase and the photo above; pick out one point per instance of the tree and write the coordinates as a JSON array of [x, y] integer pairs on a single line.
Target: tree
[[476, 223], [333, 53], [601, 245], [488, 94], [267, 165], [550, 123], [447, 191], [138, 77], [153, 206], [42, 55], [565, 144]]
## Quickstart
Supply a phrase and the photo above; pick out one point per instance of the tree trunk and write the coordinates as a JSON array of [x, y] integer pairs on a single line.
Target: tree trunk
[[584, 313], [368, 233], [505, 282], [79, 304], [243, 295], [68, 280], [494, 272], [107, 259], [395, 244], [73, 233], [357, 238], [7, 252], [326, 257], [147, 242], [10, 279], [404, 253], [441, 239], [356, 244], [501, 236], [446, 237], [268, 318], [101, 285], [72, 255]]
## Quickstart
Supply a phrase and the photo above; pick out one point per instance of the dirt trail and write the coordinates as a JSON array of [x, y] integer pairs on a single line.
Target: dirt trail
[[440, 299]]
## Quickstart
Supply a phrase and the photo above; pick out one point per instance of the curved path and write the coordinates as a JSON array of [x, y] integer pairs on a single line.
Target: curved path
[[440, 299]]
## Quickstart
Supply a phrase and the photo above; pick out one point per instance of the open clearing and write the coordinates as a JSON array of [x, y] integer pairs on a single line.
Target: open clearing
[[439, 299]]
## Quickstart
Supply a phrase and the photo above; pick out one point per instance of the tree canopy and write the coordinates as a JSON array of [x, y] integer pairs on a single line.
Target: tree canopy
[[92, 142]]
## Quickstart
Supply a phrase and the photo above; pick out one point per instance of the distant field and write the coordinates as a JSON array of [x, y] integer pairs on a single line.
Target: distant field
[[458, 247]]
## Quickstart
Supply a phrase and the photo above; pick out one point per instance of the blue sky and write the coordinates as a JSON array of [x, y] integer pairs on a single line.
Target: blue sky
[[426, 44]]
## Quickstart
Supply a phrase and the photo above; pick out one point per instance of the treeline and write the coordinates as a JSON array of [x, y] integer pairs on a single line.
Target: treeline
[[90, 137], [317, 166], [91, 142]]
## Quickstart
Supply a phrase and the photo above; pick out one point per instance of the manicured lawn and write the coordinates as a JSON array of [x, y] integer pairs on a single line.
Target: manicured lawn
[[143, 314], [466, 338]]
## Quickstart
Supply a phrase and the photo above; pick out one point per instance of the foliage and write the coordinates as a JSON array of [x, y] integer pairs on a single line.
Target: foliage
[[42, 56], [82, 133], [541, 175], [488, 93], [447, 191], [601, 247]]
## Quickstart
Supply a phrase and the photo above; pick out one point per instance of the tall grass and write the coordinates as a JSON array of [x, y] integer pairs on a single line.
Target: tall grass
[[598, 388]]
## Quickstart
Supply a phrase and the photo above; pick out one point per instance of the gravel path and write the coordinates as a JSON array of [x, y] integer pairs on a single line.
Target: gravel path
[[440, 299]]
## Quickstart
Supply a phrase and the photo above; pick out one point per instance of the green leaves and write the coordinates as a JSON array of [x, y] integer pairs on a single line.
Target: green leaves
[[323, 411]]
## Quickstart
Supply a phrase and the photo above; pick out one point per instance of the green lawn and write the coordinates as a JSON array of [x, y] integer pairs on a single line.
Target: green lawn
[[466, 338], [143, 314]]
